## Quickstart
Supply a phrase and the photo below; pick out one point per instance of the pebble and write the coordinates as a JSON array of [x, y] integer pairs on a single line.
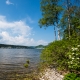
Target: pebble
[[51, 74]]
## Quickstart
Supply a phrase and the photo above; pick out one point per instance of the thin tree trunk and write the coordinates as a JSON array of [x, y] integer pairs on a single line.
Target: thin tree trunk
[[58, 38], [55, 33], [69, 25], [59, 35]]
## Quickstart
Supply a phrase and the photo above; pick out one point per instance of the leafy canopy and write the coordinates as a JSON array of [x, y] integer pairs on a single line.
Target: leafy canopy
[[50, 12]]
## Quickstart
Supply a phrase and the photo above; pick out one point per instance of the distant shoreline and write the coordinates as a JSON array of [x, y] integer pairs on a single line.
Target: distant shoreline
[[7, 46]]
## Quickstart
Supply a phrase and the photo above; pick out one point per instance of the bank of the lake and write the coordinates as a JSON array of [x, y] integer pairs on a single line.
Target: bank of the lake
[[51, 74], [64, 58]]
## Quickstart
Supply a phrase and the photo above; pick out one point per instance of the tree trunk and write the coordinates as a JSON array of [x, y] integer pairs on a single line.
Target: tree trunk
[[69, 25], [55, 33], [59, 35]]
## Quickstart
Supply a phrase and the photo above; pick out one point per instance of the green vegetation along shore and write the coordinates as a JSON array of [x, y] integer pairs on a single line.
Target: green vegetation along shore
[[64, 52]]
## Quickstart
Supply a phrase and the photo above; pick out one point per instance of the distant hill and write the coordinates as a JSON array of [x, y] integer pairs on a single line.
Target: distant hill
[[40, 46], [15, 46]]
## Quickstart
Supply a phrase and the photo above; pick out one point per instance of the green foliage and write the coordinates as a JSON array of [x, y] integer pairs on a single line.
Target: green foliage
[[74, 58], [40, 46], [57, 54], [26, 65], [64, 54], [28, 61], [54, 14], [78, 78], [50, 12], [71, 76], [74, 22]]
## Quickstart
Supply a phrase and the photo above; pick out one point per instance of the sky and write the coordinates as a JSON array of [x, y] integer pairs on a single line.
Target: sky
[[19, 23]]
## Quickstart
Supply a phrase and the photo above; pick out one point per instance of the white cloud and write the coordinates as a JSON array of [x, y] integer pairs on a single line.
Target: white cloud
[[8, 2], [17, 33], [16, 27]]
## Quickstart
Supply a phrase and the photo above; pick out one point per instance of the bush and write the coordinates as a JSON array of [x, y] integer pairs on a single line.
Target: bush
[[73, 56], [57, 54], [78, 78], [71, 76], [28, 61], [54, 53], [26, 65]]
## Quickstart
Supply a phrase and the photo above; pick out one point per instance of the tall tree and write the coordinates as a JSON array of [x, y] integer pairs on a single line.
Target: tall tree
[[69, 5], [50, 13], [51, 10], [74, 22], [70, 8]]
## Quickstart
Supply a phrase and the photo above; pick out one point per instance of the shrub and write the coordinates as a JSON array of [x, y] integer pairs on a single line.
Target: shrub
[[57, 54], [71, 76], [78, 78], [54, 53], [74, 58], [26, 65], [28, 61]]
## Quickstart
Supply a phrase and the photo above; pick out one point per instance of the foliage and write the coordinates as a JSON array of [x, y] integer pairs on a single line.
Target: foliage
[[63, 54], [57, 54], [71, 76], [26, 65], [74, 21], [50, 12], [28, 61], [74, 58], [54, 53], [65, 18], [40, 46]]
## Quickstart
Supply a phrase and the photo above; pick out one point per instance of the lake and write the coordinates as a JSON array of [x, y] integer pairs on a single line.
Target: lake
[[12, 61]]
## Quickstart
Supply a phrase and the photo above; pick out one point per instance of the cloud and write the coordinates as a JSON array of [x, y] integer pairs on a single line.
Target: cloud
[[17, 33], [16, 27], [8, 2], [16, 40]]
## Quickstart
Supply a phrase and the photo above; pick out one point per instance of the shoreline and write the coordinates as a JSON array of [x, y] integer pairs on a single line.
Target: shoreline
[[50, 74], [46, 74]]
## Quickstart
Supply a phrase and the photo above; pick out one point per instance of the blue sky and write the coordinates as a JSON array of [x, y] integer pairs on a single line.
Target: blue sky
[[19, 23]]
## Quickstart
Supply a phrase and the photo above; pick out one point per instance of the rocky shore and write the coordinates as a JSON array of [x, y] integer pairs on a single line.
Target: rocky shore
[[50, 74]]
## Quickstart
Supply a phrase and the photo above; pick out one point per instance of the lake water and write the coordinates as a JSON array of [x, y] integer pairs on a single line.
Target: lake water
[[13, 60]]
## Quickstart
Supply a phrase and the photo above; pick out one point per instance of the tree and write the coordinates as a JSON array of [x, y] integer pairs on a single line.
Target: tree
[[69, 5], [74, 22], [68, 9], [51, 16], [50, 13], [70, 17]]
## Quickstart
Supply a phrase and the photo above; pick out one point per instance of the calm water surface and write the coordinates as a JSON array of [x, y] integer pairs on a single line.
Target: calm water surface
[[13, 60]]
